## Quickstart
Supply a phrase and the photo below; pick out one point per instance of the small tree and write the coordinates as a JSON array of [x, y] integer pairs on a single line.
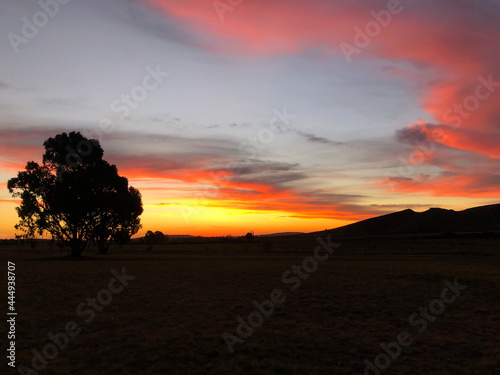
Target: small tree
[[249, 237], [149, 237], [160, 237], [153, 238], [75, 195]]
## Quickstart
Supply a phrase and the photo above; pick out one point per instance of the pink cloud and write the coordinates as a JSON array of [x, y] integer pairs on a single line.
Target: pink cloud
[[475, 184], [457, 39]]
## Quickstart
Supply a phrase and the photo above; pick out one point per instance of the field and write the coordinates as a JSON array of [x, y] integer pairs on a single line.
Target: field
[[171, 317]]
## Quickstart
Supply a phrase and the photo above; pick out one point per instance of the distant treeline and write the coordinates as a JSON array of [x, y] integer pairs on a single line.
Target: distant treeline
[[160, 238]]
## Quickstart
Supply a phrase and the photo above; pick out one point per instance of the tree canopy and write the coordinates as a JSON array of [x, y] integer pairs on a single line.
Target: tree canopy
[[155, 237], [76, 196]]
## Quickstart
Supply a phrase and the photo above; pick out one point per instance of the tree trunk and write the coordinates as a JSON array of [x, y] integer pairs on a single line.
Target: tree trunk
[[76, 247], [103, 247]]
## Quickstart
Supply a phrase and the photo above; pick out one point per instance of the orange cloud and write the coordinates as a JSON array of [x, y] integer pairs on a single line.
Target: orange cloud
[[13, 157], [471, 185], [226, 189], [13, 201]]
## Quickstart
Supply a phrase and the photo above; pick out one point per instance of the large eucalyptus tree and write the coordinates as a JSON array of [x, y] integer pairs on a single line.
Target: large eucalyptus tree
[[76, 196]]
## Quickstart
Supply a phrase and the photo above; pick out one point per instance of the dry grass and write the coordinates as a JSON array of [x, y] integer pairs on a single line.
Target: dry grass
[[171, 318]]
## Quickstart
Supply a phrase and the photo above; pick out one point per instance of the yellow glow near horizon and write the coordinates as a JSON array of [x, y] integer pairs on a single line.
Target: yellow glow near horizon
[[185, 218], [8, 219], [208, 217]]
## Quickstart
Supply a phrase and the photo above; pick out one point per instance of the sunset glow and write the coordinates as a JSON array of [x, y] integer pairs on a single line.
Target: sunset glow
[[266, 116]]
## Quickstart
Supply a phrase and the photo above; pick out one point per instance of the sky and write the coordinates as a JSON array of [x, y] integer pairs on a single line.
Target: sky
[[233, 116]]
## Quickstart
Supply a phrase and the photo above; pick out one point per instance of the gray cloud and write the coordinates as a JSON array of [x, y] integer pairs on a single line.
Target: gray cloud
[[64, 101], [261, 166], [144, 18], [275, 180], [317, 139], [327, 197], [411, 135], [268, 173], [242, 125]]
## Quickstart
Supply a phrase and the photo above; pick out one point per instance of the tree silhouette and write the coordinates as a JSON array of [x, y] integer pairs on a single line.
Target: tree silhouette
[[76, 196], [155, 237], [249, 236]]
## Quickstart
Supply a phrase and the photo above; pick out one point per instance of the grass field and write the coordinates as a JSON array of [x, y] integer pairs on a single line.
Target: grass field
[[170, 319]]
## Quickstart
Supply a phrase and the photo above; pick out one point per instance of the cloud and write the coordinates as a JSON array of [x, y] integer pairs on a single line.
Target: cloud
[[450, 44], [20, 144], [438, 164], [256, 167], [412, 134], [242, 125], [64, 101], [316, 139], [133, 15], [162, 204], [217, 174], [477, 182], [13, 201], [478, 141], [247, 32], [276, 179], [210, 171]]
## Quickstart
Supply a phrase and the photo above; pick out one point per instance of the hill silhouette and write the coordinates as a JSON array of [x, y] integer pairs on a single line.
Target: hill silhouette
[[434, 220]]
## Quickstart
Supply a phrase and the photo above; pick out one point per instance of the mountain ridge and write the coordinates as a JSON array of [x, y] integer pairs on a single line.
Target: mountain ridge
[[433, 220]]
